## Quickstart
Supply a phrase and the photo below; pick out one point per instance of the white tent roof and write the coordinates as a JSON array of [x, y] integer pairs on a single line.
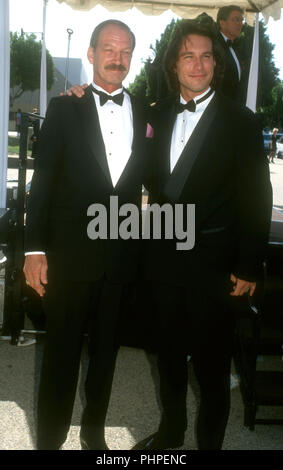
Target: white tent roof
[[184, 8]]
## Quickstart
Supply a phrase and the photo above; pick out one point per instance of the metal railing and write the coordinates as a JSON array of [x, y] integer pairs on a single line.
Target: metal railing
[[12, 226]]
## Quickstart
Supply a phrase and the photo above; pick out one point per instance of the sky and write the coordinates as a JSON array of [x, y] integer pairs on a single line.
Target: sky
[[27, 14]]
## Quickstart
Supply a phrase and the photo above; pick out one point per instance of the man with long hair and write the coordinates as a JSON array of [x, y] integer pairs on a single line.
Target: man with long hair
[[199, 159]]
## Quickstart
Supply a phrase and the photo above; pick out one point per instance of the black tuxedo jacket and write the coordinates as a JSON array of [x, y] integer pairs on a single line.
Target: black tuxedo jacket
[[71, 173], [224, 173], [231, 86]]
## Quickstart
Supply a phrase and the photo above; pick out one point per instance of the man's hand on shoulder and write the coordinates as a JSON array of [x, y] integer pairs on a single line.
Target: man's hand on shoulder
[[241, 286], [77, 90], [35, 270]]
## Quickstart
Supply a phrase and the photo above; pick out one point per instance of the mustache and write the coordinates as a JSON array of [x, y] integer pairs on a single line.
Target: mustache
[[119, 67]]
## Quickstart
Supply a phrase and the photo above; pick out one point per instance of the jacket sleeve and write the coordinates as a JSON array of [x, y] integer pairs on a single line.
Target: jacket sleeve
[[46, 167], [253, 200]]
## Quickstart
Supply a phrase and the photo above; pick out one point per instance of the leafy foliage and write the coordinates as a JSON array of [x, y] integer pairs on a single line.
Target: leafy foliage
[[25, 62], [151, 83], [267, 73], [272, 114]]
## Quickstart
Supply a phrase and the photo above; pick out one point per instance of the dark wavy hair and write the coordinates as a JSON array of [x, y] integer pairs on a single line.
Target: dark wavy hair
[[224, 12], [95, 35], [182, 30]]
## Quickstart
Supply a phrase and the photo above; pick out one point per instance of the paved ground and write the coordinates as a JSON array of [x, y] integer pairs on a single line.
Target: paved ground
[[276, 176], [134, 410]]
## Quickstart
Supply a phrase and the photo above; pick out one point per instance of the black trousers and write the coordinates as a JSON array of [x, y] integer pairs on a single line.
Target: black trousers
[[73, 309], [199, 323]]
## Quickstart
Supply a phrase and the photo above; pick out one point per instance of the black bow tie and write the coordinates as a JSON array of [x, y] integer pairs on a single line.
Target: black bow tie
[[191, 105], [104, 97], [230, 43]]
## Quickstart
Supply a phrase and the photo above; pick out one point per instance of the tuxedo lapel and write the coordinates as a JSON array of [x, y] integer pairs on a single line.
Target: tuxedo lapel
[[136, 124], [230, 57], [176, 182], [92, 135], [169, 119], [233, 63]]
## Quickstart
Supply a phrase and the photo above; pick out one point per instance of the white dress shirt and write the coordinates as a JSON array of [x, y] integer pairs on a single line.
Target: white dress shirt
[[184, 126], [116, 124], [234, 56]]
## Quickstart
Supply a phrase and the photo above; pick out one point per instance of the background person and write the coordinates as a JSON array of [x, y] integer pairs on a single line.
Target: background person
[[230, 23], [273, 145]]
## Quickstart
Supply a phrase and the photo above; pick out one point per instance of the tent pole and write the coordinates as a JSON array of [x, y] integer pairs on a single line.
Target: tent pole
[[253, 75], [4, 97], [43, 79]]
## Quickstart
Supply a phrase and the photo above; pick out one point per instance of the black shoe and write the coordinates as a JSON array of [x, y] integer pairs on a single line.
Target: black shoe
[[49, 445], [157, 441], [97, 445]]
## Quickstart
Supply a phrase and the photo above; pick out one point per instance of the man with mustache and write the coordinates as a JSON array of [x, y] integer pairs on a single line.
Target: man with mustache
[[89, 150]]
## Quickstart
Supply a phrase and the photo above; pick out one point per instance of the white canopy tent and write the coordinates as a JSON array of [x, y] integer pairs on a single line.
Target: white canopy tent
[[182, 8]]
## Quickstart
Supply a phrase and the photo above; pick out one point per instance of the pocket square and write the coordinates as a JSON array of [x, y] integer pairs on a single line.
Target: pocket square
[[149, 131]]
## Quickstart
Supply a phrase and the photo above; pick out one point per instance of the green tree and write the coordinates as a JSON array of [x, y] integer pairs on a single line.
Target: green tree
[[277, 105], [25, 62], [267, 72], [272, 114], [140, 85], [150, 84]]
